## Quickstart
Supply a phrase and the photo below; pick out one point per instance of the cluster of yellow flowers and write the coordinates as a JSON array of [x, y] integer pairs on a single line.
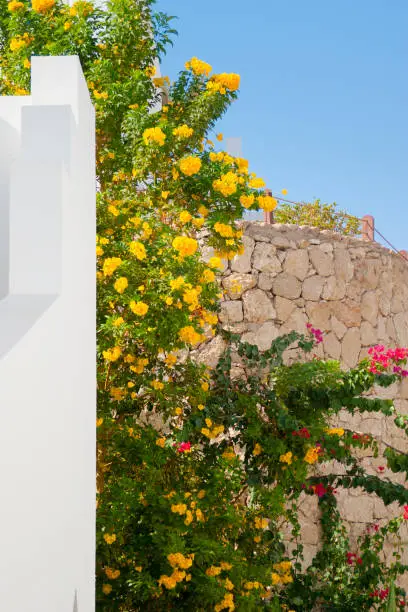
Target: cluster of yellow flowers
[[256, 183], [198, 67], [154, 135], [312, 455], [223, 82], [247, 200], [282, 573], [178, 560], [267, 202], [211, 431], [170, 582], [138, 308], [81, 8], [121, 284], [19, 42], [261, 523], [335, 431], [14, 5], [190, 336], [226, 604], [286, 458], [182, 510], [190, 165], [109, 538], [224, 230], [42, 6], [117, 394], [227, 184], [138, 250], [185, 246], [111, 573], [257, 450], [112, 354], [183, 131], [110, 265]]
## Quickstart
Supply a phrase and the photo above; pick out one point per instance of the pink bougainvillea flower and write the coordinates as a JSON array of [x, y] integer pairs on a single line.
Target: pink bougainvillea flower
[[405, 513], [184, 447]]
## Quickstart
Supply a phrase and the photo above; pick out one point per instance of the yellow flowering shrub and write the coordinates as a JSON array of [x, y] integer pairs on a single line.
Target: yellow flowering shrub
[[188, 510]]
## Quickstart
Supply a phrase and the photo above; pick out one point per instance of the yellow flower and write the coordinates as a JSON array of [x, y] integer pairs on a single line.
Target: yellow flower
[[208, 276], [189, 335], [189, 518], [257, 449], [106, 589], [117, 394], [19, 42], [227, 184], [201, 494], [224, 81], [179, 509], [117, 322], [121, 284], [286, 458], [215, 262], [177, 282], [138, 568], [200, 516], [229, 454], [154, 135], [275, 578], [171, 360], [158, 385], [335, 431], [267, 203], [139, 308], [256, 183], [110, 264], [198, 67], [257, 539], [178, 560], [228, 584], [183, 131], [247, 200], [109, 538], [99, 421], [161, 442], [198, 222], [112, 574], [312, 455], [203, 210], [225, 566], [184, 245], [168, 581], [205, 386], [112, 354], [138, 250], [169, 301], [261, 523], [219, 137], [223, 230], [185, 216], [150, 71], [42, 6], [284, 191], [190, 165], [67, 25], [213, 571], [201, 406], [14, 5]]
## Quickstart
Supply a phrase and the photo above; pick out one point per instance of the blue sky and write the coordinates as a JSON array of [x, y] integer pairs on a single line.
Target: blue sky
[[323, 106]]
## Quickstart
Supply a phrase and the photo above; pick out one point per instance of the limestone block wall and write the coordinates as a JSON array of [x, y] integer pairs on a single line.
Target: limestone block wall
[[356, 292]]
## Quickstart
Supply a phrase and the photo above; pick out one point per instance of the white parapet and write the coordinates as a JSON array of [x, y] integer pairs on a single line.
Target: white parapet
[[47, 343]]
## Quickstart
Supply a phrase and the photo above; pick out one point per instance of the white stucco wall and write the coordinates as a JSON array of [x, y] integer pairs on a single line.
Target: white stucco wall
[[47, 343]]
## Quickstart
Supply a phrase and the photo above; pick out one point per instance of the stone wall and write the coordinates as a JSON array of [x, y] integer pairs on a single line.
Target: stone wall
[[356, 292]]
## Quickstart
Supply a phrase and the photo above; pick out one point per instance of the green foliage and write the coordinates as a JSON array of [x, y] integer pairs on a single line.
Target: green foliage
[[318, 214]]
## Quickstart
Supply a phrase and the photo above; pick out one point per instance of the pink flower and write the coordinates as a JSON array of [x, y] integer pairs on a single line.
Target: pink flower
[[317, 333], [405, 513], [319, 489], [380, 468], [185, 447]]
